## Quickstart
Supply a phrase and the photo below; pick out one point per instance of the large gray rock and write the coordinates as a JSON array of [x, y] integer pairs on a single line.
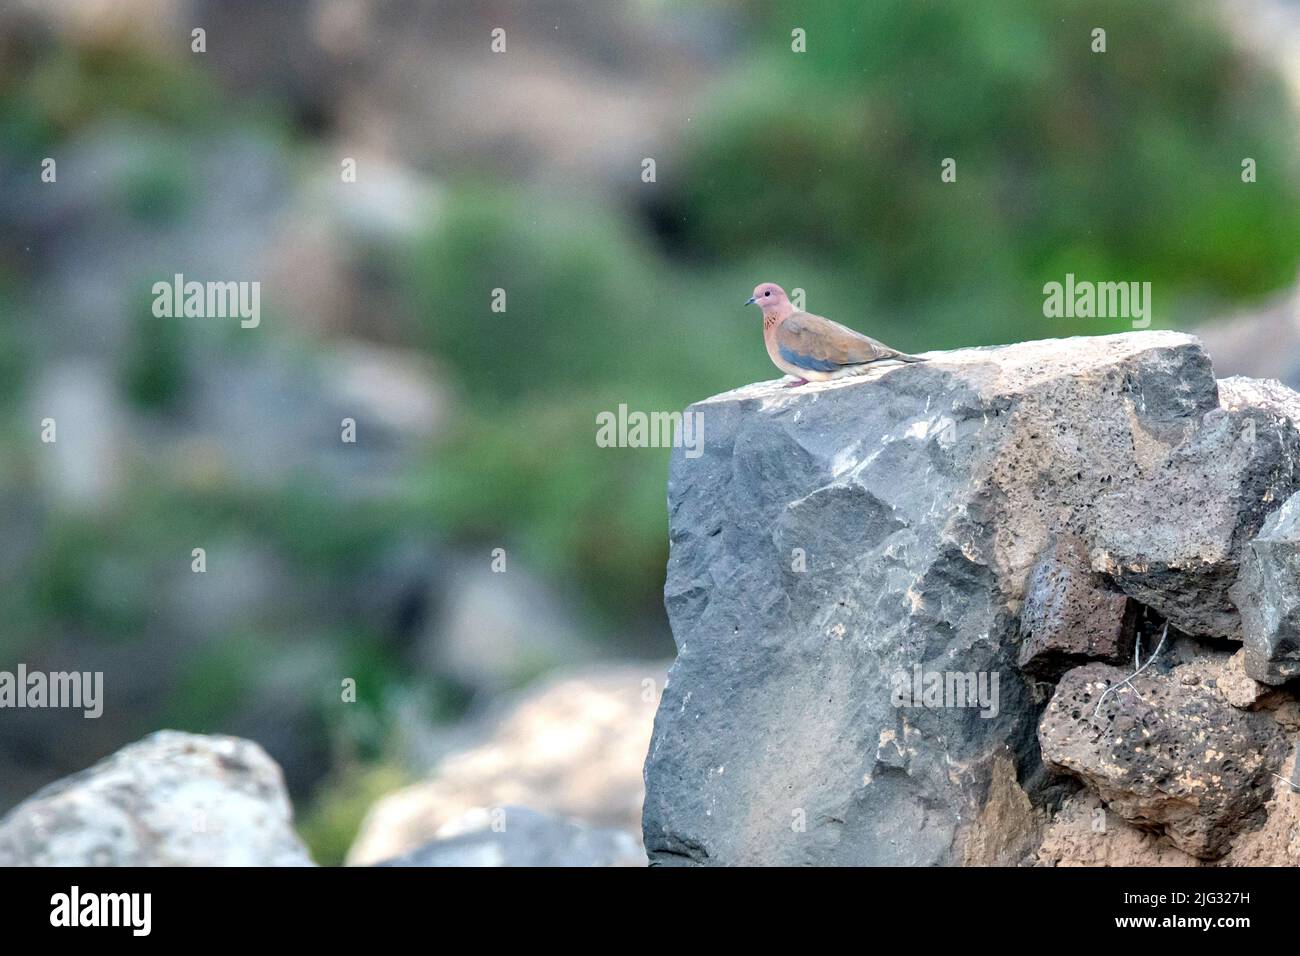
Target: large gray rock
[[1268, 593], [1164, 754], [837, 545], [517, 836], [172, 799]]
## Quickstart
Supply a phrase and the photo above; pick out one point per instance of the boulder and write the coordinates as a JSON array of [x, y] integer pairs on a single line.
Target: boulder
[[850, 561], [1165, 755], [172, 799], [1268, 594], [571, 747], [517, 836], [1072, 615]]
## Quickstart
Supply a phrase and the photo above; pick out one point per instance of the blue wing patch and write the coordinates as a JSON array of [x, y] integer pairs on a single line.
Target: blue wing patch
[[806, 362]]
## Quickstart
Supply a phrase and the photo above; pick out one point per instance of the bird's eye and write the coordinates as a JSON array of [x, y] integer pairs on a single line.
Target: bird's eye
[[768, 292]]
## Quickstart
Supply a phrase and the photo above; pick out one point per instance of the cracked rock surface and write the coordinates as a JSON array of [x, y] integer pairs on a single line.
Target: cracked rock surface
[[1072, 615]]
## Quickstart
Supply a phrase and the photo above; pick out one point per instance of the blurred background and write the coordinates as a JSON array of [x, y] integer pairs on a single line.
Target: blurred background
[[523, 171]]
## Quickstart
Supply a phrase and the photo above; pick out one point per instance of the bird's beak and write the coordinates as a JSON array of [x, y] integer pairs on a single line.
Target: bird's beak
[[750, 301]]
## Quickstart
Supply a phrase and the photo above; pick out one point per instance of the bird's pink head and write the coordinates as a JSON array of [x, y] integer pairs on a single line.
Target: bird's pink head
[[771, 298]]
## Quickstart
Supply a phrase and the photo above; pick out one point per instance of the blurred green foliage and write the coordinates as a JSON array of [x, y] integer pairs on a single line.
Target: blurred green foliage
[[47, 99], [534, 478], [1117, 165], [579, 291], [822, 171], [152, 371]]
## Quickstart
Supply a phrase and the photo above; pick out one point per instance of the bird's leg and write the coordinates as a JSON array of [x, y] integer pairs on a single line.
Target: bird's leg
[[796, 383]]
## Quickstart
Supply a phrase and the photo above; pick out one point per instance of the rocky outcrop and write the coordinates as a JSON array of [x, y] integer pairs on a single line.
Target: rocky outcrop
[[572, 747], [517, 836], [172, 799], [854, 566]]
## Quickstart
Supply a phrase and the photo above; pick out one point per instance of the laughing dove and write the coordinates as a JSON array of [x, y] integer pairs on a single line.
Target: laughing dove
[[811, 348]]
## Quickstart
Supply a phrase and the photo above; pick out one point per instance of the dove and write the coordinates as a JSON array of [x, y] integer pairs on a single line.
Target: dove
[[814, 349]]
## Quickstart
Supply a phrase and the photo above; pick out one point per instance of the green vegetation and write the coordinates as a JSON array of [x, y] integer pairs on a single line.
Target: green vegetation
[[62, 89], [330, 824], [1117, 165]]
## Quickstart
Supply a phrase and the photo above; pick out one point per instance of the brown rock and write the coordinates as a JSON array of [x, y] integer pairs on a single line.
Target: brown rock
[[1164, 755], [1071, 616], [1226, 674], [1008, 825], [1085, 833], [1277, 842]]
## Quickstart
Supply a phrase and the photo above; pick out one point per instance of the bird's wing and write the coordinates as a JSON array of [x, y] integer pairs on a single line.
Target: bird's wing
[[811, 342]]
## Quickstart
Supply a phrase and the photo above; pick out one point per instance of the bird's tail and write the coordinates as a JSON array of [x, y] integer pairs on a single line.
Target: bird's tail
[[904, 357]]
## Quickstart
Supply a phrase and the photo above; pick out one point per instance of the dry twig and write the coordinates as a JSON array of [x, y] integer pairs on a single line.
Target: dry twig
[[1139, 668]]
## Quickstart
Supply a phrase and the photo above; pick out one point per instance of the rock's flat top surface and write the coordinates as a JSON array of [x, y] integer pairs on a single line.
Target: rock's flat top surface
[[1013, 367]]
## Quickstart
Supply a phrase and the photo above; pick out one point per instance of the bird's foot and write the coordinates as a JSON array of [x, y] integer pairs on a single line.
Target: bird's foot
[[796, 383]]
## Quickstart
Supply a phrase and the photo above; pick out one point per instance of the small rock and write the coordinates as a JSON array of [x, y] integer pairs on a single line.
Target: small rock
[[1070, 616], [1163, 755], [172, 799], [1227, 675]]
